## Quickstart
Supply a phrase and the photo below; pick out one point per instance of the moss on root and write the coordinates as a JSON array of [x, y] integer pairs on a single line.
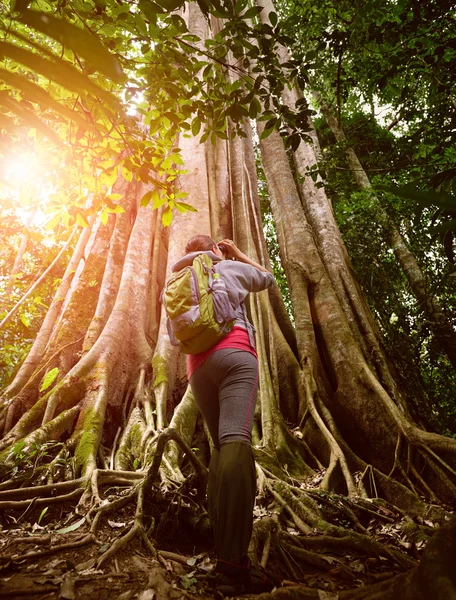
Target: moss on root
[[160, 370], [86, 451]]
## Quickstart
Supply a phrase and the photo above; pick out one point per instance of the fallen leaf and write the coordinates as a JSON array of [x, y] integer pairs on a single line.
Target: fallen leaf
[[357, 566], [126, 595], [67, 588], [330, 559], [54, 563], [114, 524], [147, 595], [322, 595], [72, 527], [88, 564]]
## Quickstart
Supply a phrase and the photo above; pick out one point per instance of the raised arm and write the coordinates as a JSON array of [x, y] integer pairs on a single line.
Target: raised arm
[[230, 250]]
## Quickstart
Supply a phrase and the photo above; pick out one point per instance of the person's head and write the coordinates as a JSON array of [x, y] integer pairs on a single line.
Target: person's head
[[202, 243]]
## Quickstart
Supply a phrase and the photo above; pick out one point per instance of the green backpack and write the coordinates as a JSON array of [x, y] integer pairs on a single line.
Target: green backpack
[[199, 312]]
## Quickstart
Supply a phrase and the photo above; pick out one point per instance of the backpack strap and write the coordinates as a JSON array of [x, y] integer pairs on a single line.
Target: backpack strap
[[210, 270], [250, 327]]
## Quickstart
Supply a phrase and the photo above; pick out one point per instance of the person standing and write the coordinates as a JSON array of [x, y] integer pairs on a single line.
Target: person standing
[[224, 382]]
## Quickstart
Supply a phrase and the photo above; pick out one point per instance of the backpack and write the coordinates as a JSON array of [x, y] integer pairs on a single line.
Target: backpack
[[199, 312]]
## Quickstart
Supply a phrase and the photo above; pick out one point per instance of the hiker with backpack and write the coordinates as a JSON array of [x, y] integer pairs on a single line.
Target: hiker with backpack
[[207, 318]]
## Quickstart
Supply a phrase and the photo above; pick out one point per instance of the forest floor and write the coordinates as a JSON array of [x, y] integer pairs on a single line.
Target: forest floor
[[34, 562]]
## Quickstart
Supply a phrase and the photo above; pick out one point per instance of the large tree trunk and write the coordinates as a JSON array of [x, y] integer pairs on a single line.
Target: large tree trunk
[[327, 398], [439, 322]]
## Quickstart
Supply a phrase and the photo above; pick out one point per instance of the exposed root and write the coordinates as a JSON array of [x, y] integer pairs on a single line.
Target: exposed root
[[303, 527], [43, 491], [183, 560], [21, 504], [358, 542], [113, 451], [87, 539], [38, 540], [110, 507], [267, 544], [310, 558], [341, 506], [22, 592], [141, 491], [373, 513], [136, 529], [120, 543], [337, 457], [152, 473], [370, 472], [53, 430]]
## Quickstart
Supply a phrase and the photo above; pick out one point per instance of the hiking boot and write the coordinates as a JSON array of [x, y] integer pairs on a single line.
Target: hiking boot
[[256, 581], [233, 580]]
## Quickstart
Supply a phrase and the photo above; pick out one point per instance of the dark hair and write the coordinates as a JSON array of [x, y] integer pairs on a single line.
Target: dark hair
[[199, 243]]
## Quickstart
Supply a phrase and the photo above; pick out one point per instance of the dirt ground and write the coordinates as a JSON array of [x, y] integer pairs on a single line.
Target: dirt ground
[[36, 562]]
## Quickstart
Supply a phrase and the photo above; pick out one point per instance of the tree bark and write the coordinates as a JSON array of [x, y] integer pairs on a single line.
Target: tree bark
[[324, 403], [440, 323]]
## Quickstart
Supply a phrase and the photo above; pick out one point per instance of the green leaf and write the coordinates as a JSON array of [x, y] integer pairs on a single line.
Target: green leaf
[[43, 512], [49, 379], [252, 12], [271, 123], [426, 197], [159, 201], [295, 140], [34, 93], [53, 222], [24, 320], [104, 216], [81, 220], [72, 527], [172, 117], [266, 133], [184, 207], [127, 174], [255, 108], [108, 176], [81, 41], [150, 10], [167, 217], [27, 116], [145, 200], [59, 71], [196, 126], [170, 5], [239, 6], [273, 18]]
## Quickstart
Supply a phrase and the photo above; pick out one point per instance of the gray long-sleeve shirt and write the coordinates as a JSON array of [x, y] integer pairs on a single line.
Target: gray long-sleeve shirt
[[240, 279]]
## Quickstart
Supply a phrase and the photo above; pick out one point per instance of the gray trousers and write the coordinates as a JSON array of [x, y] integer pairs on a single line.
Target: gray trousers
[[225, 389]]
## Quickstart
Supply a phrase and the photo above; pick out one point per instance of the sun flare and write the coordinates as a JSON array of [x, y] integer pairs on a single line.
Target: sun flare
[[21, 167]]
